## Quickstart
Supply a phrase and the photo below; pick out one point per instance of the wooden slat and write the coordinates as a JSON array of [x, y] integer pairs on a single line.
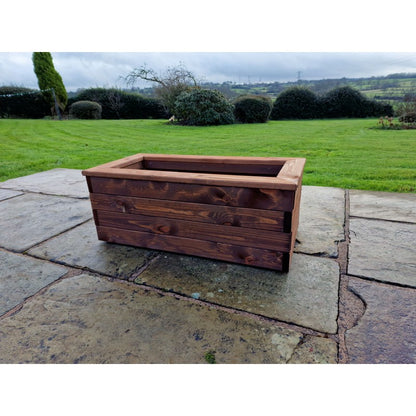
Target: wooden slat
[[214, 179], [288, 178], [273, 199], [214, 214], [196, 230], [215, 159], [269, 259], [292, 171]]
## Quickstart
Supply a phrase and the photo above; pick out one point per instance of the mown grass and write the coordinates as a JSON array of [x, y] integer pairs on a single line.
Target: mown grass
[[342, 153]]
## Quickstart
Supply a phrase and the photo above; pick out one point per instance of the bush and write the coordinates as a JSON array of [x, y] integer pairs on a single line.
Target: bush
[[348, 102], [295, 103], [409, 117], [201, 107], [118, 104], [407, 109], [252, 109], [27, 104], [88, 110]]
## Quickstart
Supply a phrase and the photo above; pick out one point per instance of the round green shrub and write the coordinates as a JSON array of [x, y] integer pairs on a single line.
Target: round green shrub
[[252, 109], [345, 102], [295, 103], [201, 107], [88, 110]]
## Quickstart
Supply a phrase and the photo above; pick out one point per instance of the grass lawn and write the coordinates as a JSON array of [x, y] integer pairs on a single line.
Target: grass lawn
[[341, 153]]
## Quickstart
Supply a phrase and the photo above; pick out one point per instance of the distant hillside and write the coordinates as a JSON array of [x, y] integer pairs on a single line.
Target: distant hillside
[[391, 88]]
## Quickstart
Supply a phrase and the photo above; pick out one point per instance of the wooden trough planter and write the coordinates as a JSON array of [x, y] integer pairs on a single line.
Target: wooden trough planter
[[237, 209]]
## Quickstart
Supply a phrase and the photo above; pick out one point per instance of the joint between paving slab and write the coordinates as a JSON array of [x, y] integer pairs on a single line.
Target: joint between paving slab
[[17, 308], [255, 316], [50, 238], [343, 249], [383, 282], [25, 191], [143, 268], [382, 219]]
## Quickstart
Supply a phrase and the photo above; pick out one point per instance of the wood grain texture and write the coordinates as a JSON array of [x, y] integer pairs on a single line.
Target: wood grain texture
[[196, 230], [274, 199], [238, 209], [280, 173], [269, 259], [208, 213]]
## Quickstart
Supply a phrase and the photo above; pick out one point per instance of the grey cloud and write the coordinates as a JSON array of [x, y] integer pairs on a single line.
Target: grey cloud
[[91, 69]]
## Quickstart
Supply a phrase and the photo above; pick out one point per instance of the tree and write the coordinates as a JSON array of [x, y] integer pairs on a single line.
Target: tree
[[169, 85], [49, 78]]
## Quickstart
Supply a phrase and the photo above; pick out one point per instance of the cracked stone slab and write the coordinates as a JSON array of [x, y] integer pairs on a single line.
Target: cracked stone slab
[[383, 250], [6, 194], [315, 350], [383, 205], [62, 182], [80, 247], [89, 319], [306, 296], [386, 332], [21, 277], [29, 219], [321, 221]]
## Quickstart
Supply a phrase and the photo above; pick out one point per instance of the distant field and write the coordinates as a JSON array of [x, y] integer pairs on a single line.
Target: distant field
[[340, 153]]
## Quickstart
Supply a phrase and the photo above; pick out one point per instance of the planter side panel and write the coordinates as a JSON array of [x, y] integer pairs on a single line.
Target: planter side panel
[[269, 259], [241, 225], [273, 199]]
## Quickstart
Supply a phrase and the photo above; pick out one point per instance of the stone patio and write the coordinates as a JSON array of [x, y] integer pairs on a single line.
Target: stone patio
[[350, 295]]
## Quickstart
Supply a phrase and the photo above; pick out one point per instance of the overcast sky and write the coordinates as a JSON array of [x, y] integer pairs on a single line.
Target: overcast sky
[[105, 69], [95, 43]]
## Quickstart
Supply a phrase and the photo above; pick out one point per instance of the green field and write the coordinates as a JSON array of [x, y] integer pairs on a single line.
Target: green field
[[340, 153]]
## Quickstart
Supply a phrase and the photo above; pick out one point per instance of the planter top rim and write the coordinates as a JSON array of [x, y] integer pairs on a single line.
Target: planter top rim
[[289, 177]]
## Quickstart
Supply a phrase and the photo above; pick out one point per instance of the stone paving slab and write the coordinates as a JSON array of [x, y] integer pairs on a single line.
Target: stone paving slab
[[88, 319], [62, 182], [387, 331], [80, 247], [6, 194], [315, 350], [32, 218], [306, 296], [383, 250], [383, 205], [21, 277], [321, 222]]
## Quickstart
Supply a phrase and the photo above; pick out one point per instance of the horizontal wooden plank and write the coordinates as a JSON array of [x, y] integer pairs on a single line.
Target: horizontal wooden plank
[[259, 160], [208, 170], [214, 179], [210, 167], [269, 259], [273, 199], [196, 230], [214, 214]]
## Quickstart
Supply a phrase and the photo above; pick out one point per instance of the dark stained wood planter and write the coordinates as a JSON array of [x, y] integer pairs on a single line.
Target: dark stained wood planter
[[237, 209]]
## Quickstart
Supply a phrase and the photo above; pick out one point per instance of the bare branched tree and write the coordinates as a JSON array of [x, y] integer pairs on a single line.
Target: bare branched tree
[[114, 99], [169, 85]]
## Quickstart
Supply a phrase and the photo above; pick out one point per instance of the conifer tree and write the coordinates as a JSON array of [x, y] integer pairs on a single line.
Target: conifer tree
[[49, 78]]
